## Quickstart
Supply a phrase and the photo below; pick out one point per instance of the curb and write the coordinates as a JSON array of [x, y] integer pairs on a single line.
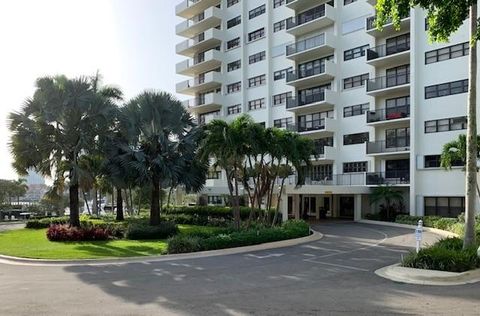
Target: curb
[[437, 231], [427, 277], [193, 255]]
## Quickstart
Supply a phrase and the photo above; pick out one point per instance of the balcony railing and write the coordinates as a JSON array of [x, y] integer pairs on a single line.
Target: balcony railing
[[388, 114], [306, 44], [371, 21], [312, 125], [388, 177], [384, 50], [388, 81], [304, 100], [336, 179], [389, 145], [292, 75], [305, 18]]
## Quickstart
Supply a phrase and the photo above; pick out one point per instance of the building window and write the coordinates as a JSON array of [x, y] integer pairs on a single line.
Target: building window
[[232, 2], [355, 110], [256, 104], [234, 87], [355, 81], [446, 53], [321, 143], [352, 139], [313, 94], [346, 2], [256, 12], [314, 121], [448, 206], [446, 125], [202, 118], [356, 52], [256, 34], [214, 199], [234, 109], [234, 65], [281, 98], [448, 88], [257, 81], [313, 67], [357, 166], [283, 123], [255, 58], [234, 43], [321, 172], [434, 161], [278, 26], [281, 74], [233, 22], [278, 3]]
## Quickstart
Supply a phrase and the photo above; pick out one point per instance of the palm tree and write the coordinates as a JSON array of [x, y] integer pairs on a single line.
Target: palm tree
[[19, 188], [388, 195], [57, 126], [165, 145]]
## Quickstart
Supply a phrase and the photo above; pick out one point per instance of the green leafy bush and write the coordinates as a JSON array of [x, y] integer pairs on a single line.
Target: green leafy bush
[[67, 233], [46, 222], [184, 243], [213, 211], [143, 232], [252, 236], [446, 255]]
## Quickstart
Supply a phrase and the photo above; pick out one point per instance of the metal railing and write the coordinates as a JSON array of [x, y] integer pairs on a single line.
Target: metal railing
[[312, 125], [389, 145], [306, 44], [305, 18], [295, 75], [388, 177], [384, 50], [387, 81], [371, 21], [336, 179], [388, 114], [304, 100]]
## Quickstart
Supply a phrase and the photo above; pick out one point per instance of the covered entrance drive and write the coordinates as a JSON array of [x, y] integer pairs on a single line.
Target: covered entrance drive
[[321, 201]]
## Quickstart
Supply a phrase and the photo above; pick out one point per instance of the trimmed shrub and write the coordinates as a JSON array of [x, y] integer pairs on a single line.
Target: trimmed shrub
[[446, 255], [142, 231], [46, 222], [184, 244], [67, 233], [213, 211]]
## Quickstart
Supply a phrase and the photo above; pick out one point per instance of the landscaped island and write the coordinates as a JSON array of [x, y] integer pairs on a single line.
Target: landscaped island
[[181, 230]]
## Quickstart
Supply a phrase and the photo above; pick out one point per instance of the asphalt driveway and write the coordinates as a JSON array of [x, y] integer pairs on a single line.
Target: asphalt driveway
[[332, 276]]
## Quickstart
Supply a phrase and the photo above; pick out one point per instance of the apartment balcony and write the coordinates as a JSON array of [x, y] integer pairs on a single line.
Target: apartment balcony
[[205, 103], [200, 43], [347, 179], [389, 147], [325, 153], [314, 76], [390, 116], [390, 177], [311, 48], [316, 128], [388, 29], [204, 82], [383, 55], [207, 19], [201, 63], [301, 25], [381, 86], [207, 118], [314, 102], [189, 8]]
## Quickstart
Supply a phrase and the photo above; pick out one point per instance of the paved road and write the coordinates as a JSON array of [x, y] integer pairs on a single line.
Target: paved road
[[332, 276], [11, 226]]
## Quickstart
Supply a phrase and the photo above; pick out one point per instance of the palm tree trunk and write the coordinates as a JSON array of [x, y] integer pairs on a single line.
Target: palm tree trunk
[[471, 167], [120, 216], [155, 202], [169, 196], [74, 205], [236, 209], [279, 199], [95, 201], [86, 202]]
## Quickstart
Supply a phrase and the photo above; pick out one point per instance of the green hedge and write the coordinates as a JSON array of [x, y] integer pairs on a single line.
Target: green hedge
[[212, 211], [144, 232], [46, 222], [288, 230], [454, 225], [445, 255]]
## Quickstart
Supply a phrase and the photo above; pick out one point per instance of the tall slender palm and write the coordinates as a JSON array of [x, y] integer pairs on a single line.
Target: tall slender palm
[[167, 144], [57, 126], [386, 194]]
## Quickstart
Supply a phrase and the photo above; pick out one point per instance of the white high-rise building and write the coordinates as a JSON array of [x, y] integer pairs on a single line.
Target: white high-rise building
[[379, 105]]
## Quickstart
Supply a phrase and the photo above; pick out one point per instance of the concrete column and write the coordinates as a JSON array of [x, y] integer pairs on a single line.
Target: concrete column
[[318, 199], [357, 213], [284, 206]]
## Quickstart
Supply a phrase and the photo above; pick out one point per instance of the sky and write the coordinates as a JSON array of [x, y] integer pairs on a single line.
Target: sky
[[131, 42]]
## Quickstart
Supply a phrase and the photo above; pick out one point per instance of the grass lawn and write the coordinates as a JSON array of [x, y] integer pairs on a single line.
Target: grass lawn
[[33, 243]]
